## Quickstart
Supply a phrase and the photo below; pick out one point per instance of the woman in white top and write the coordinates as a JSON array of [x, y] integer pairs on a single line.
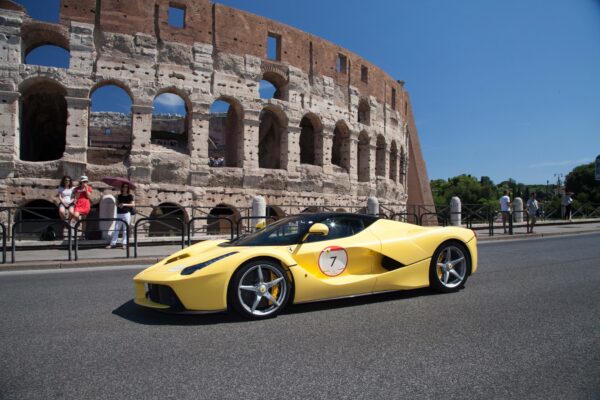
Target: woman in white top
[[65, 197]]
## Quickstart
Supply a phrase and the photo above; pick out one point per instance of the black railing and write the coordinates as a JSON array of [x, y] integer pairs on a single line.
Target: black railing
[[48, 227], [405, 217], [3, 243], [161, 221], [87, 220], [211, 222], [247, 229]]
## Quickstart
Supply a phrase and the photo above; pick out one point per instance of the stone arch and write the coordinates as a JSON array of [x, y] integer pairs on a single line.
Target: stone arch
[[272, 138], [403, 164], [167, 227], [215, 223], [275, 212], [279, 82], [364, 112], [109, 124], [171, 119], [380, 156], [43, 119], [226, 134], [340, 147], [363, 158], [394, 161], [311, 140], [38, 34]]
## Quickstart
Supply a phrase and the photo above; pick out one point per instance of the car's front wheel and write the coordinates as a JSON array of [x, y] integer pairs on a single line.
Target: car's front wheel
[[260, 289], [450, 267]]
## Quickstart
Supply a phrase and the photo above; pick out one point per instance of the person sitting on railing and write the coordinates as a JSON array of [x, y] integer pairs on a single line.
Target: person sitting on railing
[[125, 205], [65, 198], [83, 204]]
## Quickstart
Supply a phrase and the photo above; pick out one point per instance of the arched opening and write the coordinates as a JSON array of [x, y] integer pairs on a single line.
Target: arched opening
[[272, 139], [340, 146], [43, 122], [48, 55], [311, 140], [275, 213], [38, 220], [403, 164], [380, 156], [394, 161], [364, 112], [222, 218], [166, 225], [110, 118], [225, 133], [311, 209], [273, 86], [170, 122], [364, 158]]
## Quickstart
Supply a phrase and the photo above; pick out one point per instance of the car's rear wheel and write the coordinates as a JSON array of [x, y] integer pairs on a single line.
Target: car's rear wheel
[[450, 267], [260, 289]]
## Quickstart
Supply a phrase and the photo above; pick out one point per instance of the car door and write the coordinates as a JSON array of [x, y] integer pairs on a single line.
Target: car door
[[338, 264]]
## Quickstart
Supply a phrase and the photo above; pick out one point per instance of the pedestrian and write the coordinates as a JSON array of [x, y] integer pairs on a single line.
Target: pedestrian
[[81, 197], [505, 209], [567, 202], [532, 212], [125, 205], [65, 198]]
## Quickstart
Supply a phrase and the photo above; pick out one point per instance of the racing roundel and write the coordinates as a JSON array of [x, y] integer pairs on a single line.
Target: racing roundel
[[333, 260]]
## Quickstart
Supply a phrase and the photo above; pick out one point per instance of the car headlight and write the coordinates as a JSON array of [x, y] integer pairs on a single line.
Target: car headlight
[[193, 268]]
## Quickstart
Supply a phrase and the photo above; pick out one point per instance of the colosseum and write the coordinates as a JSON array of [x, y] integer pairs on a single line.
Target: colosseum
[[336, 130]]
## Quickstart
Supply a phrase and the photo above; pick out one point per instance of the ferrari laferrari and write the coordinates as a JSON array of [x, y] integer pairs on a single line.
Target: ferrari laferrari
[[308, 258]]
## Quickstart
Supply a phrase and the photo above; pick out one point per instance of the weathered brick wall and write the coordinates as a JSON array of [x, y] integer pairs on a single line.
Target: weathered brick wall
[[220, 53]]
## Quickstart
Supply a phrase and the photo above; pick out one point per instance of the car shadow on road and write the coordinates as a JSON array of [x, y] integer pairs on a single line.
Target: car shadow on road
[[140, 315]]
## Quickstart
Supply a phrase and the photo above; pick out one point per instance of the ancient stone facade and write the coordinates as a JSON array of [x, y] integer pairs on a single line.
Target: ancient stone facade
[[336, 131]]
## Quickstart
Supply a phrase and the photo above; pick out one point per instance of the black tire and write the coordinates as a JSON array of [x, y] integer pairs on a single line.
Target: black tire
[[256, 298], [445, 277]]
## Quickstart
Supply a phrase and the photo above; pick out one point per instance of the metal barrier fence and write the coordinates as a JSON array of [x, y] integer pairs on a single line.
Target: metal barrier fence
[[404, 217], [3, 243], [159, 220], [49, 222], [248, 229], [88, 220], [215, 220]]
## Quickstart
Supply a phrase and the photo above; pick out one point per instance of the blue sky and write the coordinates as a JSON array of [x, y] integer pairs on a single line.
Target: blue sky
[[499, 88]]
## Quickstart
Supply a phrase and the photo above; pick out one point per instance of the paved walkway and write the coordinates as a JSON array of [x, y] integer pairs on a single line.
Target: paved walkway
[[147, 255]]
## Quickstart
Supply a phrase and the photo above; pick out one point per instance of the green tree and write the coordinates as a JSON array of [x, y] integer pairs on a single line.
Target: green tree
[[582, 181]]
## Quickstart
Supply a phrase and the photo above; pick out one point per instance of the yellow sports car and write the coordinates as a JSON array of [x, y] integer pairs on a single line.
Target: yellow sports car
[[306, 258]]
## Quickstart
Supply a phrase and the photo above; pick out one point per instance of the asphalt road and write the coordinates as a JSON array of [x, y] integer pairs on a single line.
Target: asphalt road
[[527, 326]]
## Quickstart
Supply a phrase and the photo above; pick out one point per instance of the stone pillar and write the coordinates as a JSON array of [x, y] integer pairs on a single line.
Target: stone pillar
[[259, 207], [518, 209], [108, 209], [290, 154], [77, 129], [326, 149], [352, 154], [81, 46], [9, 131], [455, 211], [373, 206], [251, 127], [372, 163], [198, 143], [141, 129]]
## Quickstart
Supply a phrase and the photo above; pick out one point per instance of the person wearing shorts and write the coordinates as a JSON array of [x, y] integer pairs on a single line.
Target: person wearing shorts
[[505, 209], [65, 198], [81, 196]]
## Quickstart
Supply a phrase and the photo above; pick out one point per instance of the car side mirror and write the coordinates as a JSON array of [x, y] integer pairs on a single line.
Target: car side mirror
[[318, 230]]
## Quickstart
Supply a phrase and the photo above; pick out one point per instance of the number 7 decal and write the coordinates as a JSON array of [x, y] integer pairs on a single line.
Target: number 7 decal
[[333, 260]]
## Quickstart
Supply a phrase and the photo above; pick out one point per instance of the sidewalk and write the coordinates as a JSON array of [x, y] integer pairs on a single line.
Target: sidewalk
[[44, 258]]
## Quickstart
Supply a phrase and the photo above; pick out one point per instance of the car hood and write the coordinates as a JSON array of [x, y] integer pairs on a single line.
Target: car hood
[[170, 267]]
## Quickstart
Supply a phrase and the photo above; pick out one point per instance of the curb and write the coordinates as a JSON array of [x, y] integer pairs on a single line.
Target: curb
[[92, 262], [527, 236]]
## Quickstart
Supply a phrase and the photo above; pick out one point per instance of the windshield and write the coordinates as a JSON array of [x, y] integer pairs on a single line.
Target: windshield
[[284, 232]]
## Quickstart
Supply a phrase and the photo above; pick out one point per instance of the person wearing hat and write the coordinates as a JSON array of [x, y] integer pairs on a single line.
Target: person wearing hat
[[81, 196]]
